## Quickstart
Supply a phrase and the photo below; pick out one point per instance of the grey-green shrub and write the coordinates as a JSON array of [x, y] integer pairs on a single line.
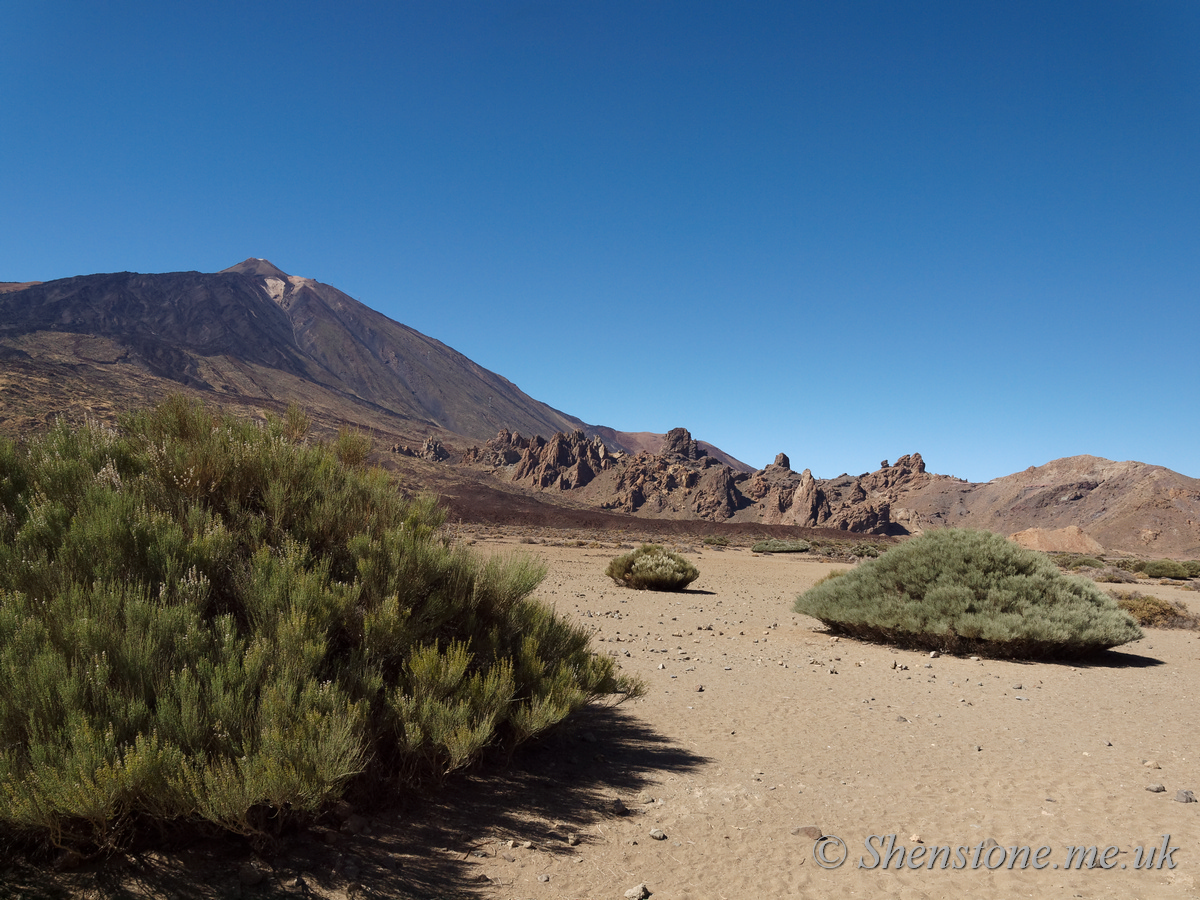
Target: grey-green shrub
[[775, 545], [1165, 568], [650, 567], [957, 590], [1154, 612], [207, 621]]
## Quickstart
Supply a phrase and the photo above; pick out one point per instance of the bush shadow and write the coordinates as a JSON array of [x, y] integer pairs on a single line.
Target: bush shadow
[[437, 843]]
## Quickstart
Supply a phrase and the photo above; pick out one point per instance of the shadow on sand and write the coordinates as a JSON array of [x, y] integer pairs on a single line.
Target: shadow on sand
[[419, 847]]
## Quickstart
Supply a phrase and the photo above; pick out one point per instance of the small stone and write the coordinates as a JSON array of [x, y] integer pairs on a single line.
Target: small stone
[[508, 857], [990, 843], [543, 878], [661, 665], [638, 892], [658, 834], [1018, 687], [67, 859], [354, 824], [1156, 788], [915, 838], [618, 807], [978, 749], [933, 654], [526, 845], [812, 832], [1151, 764], [1185, 797], [572, 840], [479, 854], [699, 688], [901, 719], [249, 874]]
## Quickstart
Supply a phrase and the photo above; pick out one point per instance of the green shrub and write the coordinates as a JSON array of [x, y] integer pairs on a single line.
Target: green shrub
[[777, 546], [717, 540], [650, 567], [1154, 612], [1081, 562], [1165, 568], [956, 590], [1193, 568], [207, 621], [865, 551]]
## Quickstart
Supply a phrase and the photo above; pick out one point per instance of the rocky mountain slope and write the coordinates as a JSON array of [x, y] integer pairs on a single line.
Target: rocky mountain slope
[[254, 339], [1124, 506]]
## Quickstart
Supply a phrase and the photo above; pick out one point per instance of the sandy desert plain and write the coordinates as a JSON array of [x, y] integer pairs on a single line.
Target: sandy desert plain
[[757, 733]]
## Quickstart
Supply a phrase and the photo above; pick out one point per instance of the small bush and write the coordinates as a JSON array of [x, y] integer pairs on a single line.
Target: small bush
[[777, 546], [955, 590], [865, 551], [650, 567], [205, 622], [1079, 562], [1154, 612], [1193, 568], [716, 540], [1113, 575], [1165, 568]]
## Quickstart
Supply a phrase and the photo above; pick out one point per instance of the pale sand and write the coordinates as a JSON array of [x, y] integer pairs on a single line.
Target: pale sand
[[1029, 754]]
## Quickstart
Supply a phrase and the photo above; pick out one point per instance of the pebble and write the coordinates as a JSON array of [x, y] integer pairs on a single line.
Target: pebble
[[933, 654], [1156, 788], [618, 807], [658, 834], [812, 832], [1151, 764], [543, 878], [572, 840], [1185, 797], [638, 892], [249, 874]]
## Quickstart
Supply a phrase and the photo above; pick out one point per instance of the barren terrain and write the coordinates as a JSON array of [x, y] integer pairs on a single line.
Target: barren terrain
[[791, 731]]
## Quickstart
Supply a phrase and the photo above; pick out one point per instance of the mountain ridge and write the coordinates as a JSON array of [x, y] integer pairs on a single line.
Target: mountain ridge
[[254, 338]]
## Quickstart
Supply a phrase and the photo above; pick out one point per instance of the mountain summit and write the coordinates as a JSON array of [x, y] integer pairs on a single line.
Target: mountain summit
[[256, 266]]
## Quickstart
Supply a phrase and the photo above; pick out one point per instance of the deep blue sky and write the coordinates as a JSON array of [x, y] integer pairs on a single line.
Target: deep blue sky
[[845, 231]]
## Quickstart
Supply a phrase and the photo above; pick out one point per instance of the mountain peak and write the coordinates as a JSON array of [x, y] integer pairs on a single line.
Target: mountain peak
[[256, 266]]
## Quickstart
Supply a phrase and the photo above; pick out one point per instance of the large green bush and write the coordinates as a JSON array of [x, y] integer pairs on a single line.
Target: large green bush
[[957, 590], [205, 620], [650, 567], [1165, 568]]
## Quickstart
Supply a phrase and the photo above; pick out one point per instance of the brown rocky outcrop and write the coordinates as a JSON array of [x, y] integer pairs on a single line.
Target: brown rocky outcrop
[[1057, 540], [565, 462]]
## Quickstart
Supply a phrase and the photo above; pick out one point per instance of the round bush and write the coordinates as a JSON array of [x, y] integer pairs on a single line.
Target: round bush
[[1165, 568], [208, 622], [774, 545], [650, 567], [956, 590]]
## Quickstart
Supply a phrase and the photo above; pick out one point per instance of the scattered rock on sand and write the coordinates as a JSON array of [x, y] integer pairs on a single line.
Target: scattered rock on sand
[[250, 874], [812, 832], [1156, 788], [638, 892], [658, 834], [1185, 797]]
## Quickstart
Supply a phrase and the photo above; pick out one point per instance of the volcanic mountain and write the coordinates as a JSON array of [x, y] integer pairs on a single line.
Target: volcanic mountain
[[254, 339]]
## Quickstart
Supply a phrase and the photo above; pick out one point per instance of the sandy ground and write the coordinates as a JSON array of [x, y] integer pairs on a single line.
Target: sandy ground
[[757, 732], [792, 729]]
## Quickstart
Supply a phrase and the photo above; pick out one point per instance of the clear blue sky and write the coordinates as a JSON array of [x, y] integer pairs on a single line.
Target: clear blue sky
[[844, 231]]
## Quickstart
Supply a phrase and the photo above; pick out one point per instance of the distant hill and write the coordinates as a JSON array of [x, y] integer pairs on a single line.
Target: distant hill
[[253, 338], [250, 336]]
